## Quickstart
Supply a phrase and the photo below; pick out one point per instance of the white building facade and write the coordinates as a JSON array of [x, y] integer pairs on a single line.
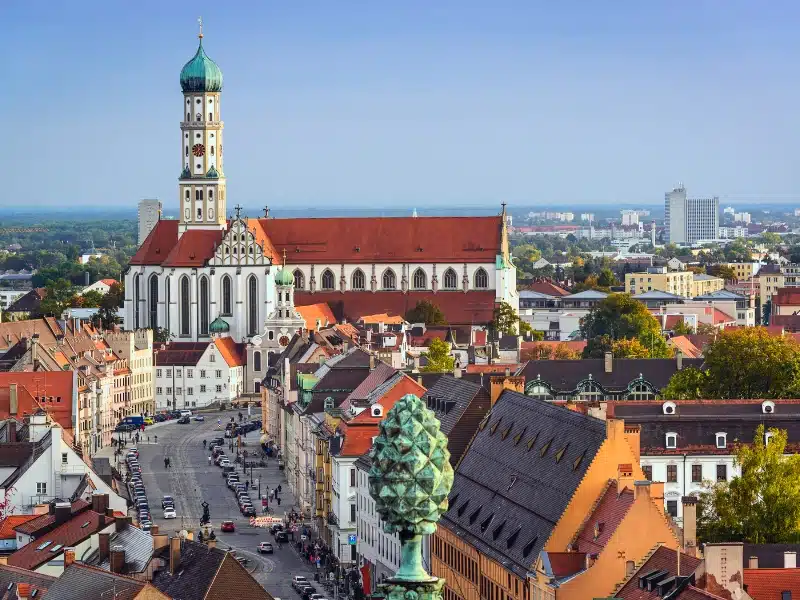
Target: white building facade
[[149, 214], [689, 220]]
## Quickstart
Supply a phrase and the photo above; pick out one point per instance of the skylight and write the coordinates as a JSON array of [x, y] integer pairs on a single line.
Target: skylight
[[474, 516], [85, 525], [529, 546], [43, 546], [513, 537], [546, 447], [495, 426], [56, 548]]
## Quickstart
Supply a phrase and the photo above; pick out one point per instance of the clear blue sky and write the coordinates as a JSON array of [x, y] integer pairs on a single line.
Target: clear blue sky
[[413, 102]]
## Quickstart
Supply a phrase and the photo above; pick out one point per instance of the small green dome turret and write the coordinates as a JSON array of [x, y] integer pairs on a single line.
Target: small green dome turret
[[212, 173], [201, 74], [219, 325], [284, 277]]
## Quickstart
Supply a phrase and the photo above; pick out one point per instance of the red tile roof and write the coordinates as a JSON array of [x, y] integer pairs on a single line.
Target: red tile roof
[[606, 517], [404, 386], [157, 246], [767, 584], [564, 564], [108, 281], [492, 368], [42, 522], [386, 239], [458, 308], [71, 533], [232, 352], [685, 345], [312, 313], [194, 248], [54, 390], [179, 353], [721, 317], [546, 287], [8, 524]]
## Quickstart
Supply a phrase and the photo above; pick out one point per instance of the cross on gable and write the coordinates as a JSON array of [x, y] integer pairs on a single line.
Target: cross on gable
[[266, 212], [238, 210]]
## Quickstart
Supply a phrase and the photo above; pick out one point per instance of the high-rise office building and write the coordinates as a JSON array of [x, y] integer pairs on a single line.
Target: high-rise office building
[[689, 220], [149, 214]]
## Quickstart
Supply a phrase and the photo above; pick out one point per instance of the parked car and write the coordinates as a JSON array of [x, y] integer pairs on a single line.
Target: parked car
[[249, 511], [149, 421], [228, 526], [275, 528], [169, 512], [298, 580], [199, 418], [265, 548], [167, 500], [184, 421]]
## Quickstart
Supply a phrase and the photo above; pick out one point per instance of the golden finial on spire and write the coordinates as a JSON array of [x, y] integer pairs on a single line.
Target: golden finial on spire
[[284, 257], [200, 23]]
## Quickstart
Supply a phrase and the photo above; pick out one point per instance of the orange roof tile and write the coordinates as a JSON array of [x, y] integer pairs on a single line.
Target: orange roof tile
[[8, 524], [492, 368], [231, 351], [348, 330], [313, 313], [406, 385], [194, 248], [685, 345], [381, 318], [108, 281], [767, 584], [721, 317], [54, 390], [261, 237], [157, 246], [358, 440]]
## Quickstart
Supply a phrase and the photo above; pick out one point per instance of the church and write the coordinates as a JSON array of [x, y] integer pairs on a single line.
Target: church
[[210, 274]]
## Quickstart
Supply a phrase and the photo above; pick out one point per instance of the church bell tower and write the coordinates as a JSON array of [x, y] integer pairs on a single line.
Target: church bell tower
[[202, 181]]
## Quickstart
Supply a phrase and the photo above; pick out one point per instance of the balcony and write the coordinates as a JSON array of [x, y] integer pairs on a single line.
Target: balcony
[[332, 519]]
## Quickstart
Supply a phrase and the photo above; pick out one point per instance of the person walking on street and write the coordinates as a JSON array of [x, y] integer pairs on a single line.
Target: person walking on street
[[166, 463], [209, 461]]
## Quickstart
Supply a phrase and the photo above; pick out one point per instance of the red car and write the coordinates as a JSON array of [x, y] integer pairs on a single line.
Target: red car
[[228, 526]]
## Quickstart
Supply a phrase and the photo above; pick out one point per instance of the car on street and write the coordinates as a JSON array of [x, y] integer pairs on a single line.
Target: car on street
[[249, 511], [169, 513], [299, 580], [265, 548], [184, 421], [306, 590], [228, 526], [149, 421], [275, 528], [199, 418], [282, 537], [167, 500]]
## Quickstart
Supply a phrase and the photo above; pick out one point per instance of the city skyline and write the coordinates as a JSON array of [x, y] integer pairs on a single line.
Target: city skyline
[[448, 106]]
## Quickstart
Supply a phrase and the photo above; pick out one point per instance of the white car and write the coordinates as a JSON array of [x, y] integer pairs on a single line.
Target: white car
[[169, 513]]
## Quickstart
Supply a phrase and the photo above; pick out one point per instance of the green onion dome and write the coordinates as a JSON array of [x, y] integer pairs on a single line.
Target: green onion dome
[[284, 277], [219, 325], [201, 74]]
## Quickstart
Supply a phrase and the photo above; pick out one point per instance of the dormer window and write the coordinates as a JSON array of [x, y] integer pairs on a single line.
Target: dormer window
[[668, 408], [328, 404], [722, 440], [768, 407], [672, 440], [377, 410]]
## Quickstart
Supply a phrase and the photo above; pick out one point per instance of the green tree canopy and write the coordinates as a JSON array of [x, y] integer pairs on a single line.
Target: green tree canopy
[[426, 312], [762, 506], [621, 317], [742, 363], [112, 301], [438, 355], [58, 297]]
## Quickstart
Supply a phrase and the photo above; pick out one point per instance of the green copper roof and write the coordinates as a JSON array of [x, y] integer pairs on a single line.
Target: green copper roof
[[284, 277], [185, 174], [219, 325], [201, 74], [212, 173]]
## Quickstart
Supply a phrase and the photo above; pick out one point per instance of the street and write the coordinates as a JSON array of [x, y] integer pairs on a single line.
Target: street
[[190, 480]]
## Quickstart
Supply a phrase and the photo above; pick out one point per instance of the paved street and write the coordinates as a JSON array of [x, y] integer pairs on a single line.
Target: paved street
[[190, 480]]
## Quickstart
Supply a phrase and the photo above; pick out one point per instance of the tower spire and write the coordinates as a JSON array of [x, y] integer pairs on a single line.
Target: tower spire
[[200, 23], [284, 258]]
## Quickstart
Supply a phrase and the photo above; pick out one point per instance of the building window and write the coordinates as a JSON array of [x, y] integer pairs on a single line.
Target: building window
[[672, 508], [226, 295], [212, 358], [352, 477], [153, 301], [189, 373], [257, 387], [420, 280], [190, 391], [252, 305], [672, 473], [169, 390], [327, 280], [256, 360], [219, 388], [158, 372], [389, 280], [136, 307], [218, 374], [202, 373], [481, 279], [299, 280], [159, 391], [697, 473], [722, 440], [648, 472], [185, 307], [169, 372], [722, 472], [353, 513], [204, 306], [178, 391], [450, 280], [672, 440], [41, 488], [64, 458], [358, 281], [202, 389]]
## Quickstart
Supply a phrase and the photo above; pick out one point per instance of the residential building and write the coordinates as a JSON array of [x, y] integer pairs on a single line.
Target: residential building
[[8, 297], [665, 573], [675, 264], [198, 374], [742, 217], [681, 283], [629, 217], [731, 233], [694, 313], [757, 571], [655, 299], [689, 220], [737, 305], [82, 582], [149, 216], [587, 217], [135, 348], [532, 490], [771, 278], [706, 284], [25, 306], [601, 379], [8, 537], [22, 583], [101, 285]]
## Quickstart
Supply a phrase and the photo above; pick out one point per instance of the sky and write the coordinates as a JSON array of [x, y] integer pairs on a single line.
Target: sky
[[407, 103]]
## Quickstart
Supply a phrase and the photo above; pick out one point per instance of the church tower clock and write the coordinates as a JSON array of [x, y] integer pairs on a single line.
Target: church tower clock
[[202, 181]]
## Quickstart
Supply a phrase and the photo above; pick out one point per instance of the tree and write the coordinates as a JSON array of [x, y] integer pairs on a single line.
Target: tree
[[564, 352], [707, 329], [629, 348], [438, 355], [725, 272], [91, 299], [762, 506], [507, 321], [621, 317], [161, 335], [426, 312], [57, 299], [682, 328], [742, 363], [607, 278], [109, 305], [770, 239]]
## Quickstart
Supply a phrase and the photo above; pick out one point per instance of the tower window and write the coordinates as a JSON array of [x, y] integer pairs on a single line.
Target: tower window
[[199, 166], [420, 279], [199, 214], [187, 194], [212, 150], [299, 280], [327, 280], [198, 100], [389, 280], [210, 214], [358, 280], [188, 116], [187, 150], [197, 136], [210, 194], [450, 279], [199, 117], [210, 117]]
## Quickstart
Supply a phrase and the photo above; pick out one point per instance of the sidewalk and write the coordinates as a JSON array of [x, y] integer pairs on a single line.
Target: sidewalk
[[270, 476]]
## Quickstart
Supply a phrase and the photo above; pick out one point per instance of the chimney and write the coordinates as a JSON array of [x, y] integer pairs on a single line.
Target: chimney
[[689, 524], [12, 424], [641, 488], [122, 523], [153, 529], [99, 502], [110, 512], [117, 559], [103, 546], [608, 362], [456, 372], [174, 554], [212, 543], [23, 591], [34, 348], [416, 365], [160, 540], [753, 562], [69, 557], [508, 372], [624, 477], [13, 406], [419, 379], [790, 560], [371, 362], [679, 359], [63, 511]]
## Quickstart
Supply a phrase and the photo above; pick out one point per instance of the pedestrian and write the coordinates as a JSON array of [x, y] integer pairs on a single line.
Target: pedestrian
[[166, 463], [148, 439], [156, 438], [247, 485], [279, 487], [279, 501], [209, 460]]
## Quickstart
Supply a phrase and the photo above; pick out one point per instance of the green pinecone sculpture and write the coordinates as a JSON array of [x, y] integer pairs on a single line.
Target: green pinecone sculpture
[[411, 476]]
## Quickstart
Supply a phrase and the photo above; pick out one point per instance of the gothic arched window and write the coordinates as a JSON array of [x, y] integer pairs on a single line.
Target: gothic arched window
[[185, 312], [328, 281], [256, 360], [153, 301], [358, 280], [136, 302], [252, 305], [166, 303], [389, 280], [420, 280], [204, 306], [226, 296], [299, 280], [481, 279], [450, 280]]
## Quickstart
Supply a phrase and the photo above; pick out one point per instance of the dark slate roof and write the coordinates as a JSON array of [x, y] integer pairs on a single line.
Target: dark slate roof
[[697, 423], [179, 354], [47, 522], [509, 342], [662, 559], [770, 556], [11, 576], [138, 547], [81, 582], [518, 476], [565, 375], [30, 302], [449, 398]]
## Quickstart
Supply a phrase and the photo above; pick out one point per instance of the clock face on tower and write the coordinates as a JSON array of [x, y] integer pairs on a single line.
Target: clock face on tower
[[284, 341], [198, 150]]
